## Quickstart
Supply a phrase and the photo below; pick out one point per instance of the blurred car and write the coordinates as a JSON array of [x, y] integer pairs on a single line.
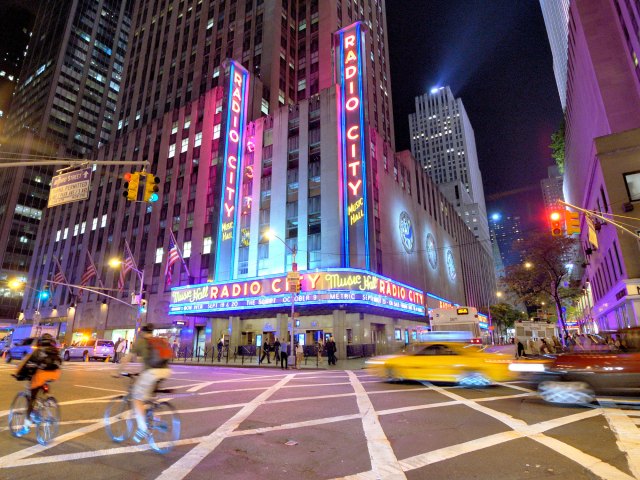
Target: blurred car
[[457, 362], [577, 377], [90, 350], [20, 348]]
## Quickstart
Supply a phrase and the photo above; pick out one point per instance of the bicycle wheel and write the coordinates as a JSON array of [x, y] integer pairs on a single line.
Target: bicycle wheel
[[18, 414], [119, 418], [47, 427], [164, 426]]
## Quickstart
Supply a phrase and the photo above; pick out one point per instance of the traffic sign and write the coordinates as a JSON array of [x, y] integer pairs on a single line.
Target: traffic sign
[[70, 187]]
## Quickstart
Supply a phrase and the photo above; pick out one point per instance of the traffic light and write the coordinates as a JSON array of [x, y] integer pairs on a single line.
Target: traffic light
[[557, 221], [572, 222], [151, 188], [44, 294], [131, 185]]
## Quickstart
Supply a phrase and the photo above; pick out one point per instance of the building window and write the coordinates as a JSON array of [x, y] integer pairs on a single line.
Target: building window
[[206, 248], [186, 250], [198, 139], [172, 150], [185, 145], [104, 221], [159, 254], [632, 182]]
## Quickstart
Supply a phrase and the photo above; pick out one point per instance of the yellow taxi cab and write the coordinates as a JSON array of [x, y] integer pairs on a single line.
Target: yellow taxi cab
[[445, 359]]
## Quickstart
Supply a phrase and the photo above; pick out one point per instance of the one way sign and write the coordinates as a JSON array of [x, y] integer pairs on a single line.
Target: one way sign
[[70, 187]]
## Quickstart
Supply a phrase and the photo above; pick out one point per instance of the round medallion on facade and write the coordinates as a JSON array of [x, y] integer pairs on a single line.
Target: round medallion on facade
[[451, 265], [432, 251], [406, 232]]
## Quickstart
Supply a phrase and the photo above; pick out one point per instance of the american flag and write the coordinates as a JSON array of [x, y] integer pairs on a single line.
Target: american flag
[[172, 258], [59, 276], [126, 267], [89, 272]]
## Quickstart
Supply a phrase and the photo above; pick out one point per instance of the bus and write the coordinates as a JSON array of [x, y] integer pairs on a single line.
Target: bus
[[460, 319]]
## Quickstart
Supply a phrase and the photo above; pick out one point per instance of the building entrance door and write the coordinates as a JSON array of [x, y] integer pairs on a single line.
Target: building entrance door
[[379, 337]]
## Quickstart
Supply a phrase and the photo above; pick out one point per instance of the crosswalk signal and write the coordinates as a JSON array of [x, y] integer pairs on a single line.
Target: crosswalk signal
[[131, 185], [573, 222], [151, 188], [557, 221]]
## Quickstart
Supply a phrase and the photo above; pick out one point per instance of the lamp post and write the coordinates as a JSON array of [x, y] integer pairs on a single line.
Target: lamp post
[[115, 263], [292, 277], [16, 284]]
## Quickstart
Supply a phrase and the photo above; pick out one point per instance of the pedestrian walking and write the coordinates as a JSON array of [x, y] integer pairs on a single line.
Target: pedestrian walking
[[115, 350], [331, 351], [319, 347], [220, 346], [276, 351], [265, 352], [520, 352], [121, 350], [299, 355], [284, 357]]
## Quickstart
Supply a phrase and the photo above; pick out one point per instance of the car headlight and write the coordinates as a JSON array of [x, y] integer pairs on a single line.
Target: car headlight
[[374, 362], [527, 367]]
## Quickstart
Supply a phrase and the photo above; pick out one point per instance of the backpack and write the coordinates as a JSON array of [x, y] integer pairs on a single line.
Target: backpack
[[160, 352], [47, 358]]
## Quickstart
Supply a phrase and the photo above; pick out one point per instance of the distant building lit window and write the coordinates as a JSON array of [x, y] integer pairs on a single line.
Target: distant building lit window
[[104, 221], [159, 254], [206, 248], [172, 150], [58, 235], [632, 181], [94, 224], [186, 250], [185, 145], [198, 140]]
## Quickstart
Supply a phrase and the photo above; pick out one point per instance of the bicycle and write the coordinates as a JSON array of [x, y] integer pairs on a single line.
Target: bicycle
[[120, 419], [45, 414]]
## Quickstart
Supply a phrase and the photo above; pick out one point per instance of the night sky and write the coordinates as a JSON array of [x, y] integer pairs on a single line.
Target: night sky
[[495, 55]]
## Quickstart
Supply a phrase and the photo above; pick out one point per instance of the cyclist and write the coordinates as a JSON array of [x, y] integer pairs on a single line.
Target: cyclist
[[153, 371], [42, 365]]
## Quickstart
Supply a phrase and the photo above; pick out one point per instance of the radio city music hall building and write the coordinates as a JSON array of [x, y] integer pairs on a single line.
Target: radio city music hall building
[[377, 243]]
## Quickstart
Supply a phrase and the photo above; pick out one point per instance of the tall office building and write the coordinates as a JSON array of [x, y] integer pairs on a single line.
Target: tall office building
[[507, 232], [602, 139], [442, 140], [552, 189], [64, 105], [556, 21], [16, 23], [376, 243]]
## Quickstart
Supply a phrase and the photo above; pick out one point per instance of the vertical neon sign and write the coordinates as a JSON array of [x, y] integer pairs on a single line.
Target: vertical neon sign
[[232, 168], [350, 70]]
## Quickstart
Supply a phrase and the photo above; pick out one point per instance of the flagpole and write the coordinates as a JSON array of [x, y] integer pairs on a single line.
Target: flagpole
[[180, 253]]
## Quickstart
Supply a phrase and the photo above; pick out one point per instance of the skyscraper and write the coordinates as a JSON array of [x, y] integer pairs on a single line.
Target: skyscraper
[[442, 140], [552, 189], [556, 21], [602, 118], [507, 232], [251, 180], [63, 106]]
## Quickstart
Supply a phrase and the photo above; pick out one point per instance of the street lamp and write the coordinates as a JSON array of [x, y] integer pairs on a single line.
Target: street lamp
[[15, 284], [292, 275], [116, 263], [528, 265]]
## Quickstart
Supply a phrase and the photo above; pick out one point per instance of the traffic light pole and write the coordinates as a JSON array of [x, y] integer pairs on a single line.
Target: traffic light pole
[[293, 308]]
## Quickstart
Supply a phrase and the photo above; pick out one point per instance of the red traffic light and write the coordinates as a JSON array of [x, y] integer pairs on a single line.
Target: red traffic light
[[557, 223], [555, 216], [127, 177]]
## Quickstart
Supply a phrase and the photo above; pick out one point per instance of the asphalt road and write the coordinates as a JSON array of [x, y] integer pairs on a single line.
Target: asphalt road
[[249, 423]]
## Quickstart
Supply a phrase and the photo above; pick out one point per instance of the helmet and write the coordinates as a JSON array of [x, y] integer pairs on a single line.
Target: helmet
[[148, 328], [46, 340]]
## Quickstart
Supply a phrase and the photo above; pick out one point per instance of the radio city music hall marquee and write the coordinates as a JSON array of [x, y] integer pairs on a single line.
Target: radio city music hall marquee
[[337, 286], [350, 56], [231, 168]]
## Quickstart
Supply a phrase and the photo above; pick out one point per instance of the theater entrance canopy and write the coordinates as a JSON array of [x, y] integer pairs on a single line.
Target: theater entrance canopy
[[321, 290]]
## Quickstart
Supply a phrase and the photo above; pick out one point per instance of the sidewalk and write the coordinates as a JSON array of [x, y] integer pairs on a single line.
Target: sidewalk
[[252, 362]]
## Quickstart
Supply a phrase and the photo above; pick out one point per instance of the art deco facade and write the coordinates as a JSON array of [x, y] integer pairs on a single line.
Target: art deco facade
[[371, 236]]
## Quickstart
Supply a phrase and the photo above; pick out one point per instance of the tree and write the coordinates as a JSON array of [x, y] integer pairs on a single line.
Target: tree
[[544, 273], [557, 147], [504, 316]]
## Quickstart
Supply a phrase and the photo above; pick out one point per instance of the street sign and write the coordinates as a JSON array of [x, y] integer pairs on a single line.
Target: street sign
[[70, 187]]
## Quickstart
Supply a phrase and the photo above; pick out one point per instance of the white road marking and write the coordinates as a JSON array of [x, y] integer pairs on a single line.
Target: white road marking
[[628, 436], [199, 386], [188, 462], [384, 462], [98, 388]]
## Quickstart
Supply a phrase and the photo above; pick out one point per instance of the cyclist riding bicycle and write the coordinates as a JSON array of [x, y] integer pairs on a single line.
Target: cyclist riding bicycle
[[155, 368], [42, 365]]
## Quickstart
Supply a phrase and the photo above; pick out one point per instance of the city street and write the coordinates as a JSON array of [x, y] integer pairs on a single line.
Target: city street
[[240, 423]]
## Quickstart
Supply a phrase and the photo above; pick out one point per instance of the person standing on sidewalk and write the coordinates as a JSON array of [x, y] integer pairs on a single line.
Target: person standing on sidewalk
[[220, 345], [299, 355], [265, 352], [121, 350], [115, 350], [331, 351], [276, 351]]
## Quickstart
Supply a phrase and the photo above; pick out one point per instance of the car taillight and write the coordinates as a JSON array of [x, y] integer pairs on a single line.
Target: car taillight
[[45, 388]]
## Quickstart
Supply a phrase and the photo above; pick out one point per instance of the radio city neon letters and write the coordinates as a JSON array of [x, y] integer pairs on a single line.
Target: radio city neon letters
[[231, 169], [350, 55]]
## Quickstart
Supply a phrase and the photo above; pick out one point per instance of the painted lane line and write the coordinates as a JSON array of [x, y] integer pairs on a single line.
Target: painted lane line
[[98, 388], [74, 402], [290, 426], [589, 462], [200, 386], [384, 462], [213, 392], [188, 462], [628, 437]]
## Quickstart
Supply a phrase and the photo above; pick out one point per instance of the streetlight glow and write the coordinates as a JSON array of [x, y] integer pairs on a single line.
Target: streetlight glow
[[115, 262], [528, 265]]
